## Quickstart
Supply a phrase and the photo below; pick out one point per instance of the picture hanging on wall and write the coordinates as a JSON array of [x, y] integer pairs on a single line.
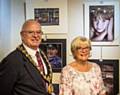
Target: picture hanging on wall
[[47, 16], [53, 14], [56, 89], [55, 50], [101, 20], [110, 75]]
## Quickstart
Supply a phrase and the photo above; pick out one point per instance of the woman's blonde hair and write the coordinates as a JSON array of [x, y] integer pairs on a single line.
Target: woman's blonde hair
[[78, 42]]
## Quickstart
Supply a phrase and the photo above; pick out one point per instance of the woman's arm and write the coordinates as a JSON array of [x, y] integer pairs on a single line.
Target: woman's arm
[[100, 37], [110, 29]]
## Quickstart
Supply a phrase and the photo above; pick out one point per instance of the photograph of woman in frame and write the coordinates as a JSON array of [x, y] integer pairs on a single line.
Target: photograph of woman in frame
[[101, 23]]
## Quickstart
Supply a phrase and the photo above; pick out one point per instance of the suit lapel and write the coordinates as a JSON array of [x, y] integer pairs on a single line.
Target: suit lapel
[[30, 66], [33, 72]]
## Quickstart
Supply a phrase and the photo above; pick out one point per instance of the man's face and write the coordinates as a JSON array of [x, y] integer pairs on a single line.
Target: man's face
[[31, 35], [51, 52]]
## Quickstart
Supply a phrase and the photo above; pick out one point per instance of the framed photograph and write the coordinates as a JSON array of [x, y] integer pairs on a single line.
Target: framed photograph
[[51, 14], [110, 74], [101, 20], [55, 50], [47, 16]]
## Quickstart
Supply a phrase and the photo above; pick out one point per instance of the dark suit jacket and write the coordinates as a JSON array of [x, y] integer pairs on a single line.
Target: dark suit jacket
[[18, 76]]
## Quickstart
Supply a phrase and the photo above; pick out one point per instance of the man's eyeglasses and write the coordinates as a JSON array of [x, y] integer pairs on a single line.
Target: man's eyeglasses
[[33, 32]]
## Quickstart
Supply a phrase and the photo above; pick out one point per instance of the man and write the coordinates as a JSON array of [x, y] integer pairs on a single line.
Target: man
[[52, 54], [20, 73]]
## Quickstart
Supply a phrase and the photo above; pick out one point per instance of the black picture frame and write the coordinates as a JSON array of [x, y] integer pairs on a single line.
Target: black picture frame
[[56, 88], [60, 44], [47, 16], [110, 74]]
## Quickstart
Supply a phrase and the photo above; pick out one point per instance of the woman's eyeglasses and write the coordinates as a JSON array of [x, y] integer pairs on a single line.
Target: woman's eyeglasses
[[81, 49]]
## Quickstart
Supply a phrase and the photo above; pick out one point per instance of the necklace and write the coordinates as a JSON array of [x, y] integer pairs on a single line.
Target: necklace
[[85, 77], [83, 67]]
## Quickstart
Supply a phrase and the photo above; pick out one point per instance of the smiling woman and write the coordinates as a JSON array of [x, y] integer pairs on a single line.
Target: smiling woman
[[80, 45], [81, 77], [101, 23]]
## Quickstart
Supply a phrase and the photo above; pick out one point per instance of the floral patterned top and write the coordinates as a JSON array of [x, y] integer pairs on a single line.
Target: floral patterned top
[[74, 82]]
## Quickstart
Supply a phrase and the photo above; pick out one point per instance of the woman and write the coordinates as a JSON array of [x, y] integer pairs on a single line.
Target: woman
[[81, 77], [102, 27]]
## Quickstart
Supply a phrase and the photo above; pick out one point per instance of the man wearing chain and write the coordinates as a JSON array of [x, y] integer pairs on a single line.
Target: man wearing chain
[[20, 73]]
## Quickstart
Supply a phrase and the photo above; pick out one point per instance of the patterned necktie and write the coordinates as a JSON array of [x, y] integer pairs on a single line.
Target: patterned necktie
[[40, 65]]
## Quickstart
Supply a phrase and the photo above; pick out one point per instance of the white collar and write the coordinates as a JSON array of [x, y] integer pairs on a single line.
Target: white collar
[[30, 51]]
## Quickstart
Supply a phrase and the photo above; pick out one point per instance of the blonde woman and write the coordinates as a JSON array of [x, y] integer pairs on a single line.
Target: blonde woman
[[81, 77]]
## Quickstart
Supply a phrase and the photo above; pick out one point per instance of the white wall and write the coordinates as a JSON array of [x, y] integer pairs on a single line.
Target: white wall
[[17, 19], [5, 27], [11, 19]]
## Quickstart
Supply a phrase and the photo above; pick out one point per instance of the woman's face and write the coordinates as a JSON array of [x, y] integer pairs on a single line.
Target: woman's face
[[99, 24], [82, 53]]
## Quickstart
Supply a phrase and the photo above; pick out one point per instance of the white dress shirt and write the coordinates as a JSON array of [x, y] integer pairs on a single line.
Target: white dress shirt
[[32, 53]]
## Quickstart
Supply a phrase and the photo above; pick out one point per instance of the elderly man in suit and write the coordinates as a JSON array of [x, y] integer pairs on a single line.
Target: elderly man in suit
[[22, 72]]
